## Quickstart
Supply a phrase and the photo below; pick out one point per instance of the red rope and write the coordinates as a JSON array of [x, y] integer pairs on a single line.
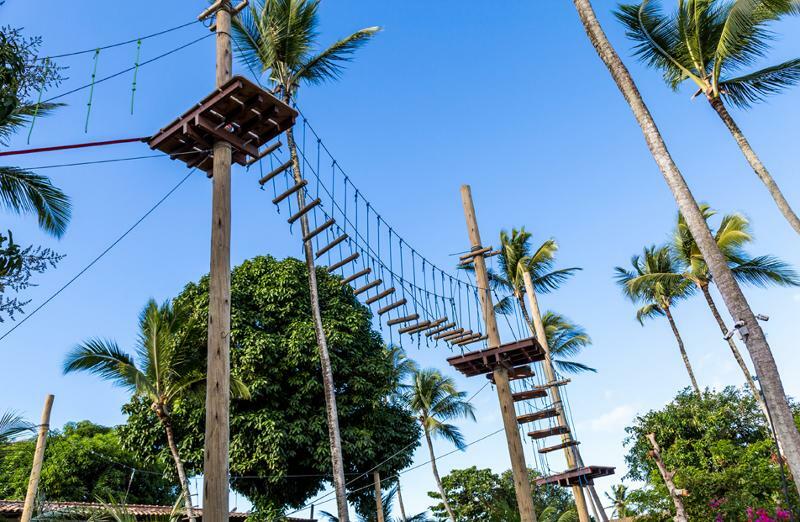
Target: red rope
[[74, 146]]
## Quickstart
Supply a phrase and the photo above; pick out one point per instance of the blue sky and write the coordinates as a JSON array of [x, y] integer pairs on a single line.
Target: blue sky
[[511, 100]]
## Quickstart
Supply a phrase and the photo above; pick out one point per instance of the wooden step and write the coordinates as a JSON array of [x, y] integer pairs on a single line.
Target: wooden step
[[392, 306], [537, 415], [413, 327], [432, 324], [449, 333], [378, 297], [401, 320], [548, 432], [275, 172], [469, 334], [367, 286], [553, 384], [529, 394], [567, 444], [300, 213], [319, 229], [362, 273], [330, 245], [289, 192], [474, 339], [440, 329], [343, 262]]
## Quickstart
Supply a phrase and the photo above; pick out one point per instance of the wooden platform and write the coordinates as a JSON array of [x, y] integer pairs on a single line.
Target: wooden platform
[[239, 112], [529, 394], [583, 476], [484, 361], [537, 415], [520, 372]]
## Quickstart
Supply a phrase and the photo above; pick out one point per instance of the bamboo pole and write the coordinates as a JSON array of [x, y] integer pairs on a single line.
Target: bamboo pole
[[519, 469], [376, 476], [217, 431], [38, 459], [570, 452], [674, 493]]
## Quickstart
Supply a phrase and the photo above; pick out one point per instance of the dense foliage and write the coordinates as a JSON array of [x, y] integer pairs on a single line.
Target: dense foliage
[[279, 438], [82, 463], [721, 451], [480, 495]]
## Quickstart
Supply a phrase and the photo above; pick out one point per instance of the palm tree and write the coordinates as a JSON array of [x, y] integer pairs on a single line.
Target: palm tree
[[11, 425], [516, 257], [565, 339], [387, 500], [435, 400], [657, 295], [279, 37], [25, 192], [731, 236], [710, 43], [163, 376], [735, 301], [620, 502]]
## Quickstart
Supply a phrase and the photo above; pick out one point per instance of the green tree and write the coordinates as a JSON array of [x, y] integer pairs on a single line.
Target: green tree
[[280, 454], [12, 425], [17, 267], [435, 400], [82, 462], [23, 191], [480, 495], [720, 449], [387, 500], [620, 501], [279, 38], [164, 375], [760, 352], [713, 43], [657, 295]]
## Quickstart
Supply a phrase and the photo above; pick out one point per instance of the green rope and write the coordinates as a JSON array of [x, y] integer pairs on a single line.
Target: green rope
[[39, 99], [91, 90], [135, 72]]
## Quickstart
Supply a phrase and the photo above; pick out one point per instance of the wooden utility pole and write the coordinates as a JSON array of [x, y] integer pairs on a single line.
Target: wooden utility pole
[[519, 469], [674, 493], [570, 452], [378, 497], [38, 459], [215, 466]]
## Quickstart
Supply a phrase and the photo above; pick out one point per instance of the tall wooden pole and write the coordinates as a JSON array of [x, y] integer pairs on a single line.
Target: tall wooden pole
[[674, 492], [400, 501], [215, 467], [519, 469], [378, 497], [38, 459], [570, 452]]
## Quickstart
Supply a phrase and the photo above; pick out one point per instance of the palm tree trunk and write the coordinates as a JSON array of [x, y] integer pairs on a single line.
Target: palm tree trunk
[[682, 348], [755, 163], [400, 502], [525, 314], [322, 342], [450, 513], [739, 309], [173, 449], [751, 383]]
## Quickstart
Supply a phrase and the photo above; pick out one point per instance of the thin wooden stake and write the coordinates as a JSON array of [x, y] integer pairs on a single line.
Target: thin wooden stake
[[38, 459], [378, 498]]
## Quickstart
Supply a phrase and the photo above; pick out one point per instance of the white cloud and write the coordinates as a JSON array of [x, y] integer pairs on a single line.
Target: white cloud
[[613, 420]]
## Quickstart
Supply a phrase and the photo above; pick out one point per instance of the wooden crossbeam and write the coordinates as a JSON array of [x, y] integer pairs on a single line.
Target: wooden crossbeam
[[401, 320], [367, 286], [348, 280], [378, 297], [343, 262], [288, 192], [475, 253], [275, 172], [392, 306], [300, 213], [319, 229], [548, 432], [566, 444], [528, 395], [440, 329], [330, 245], [546, 413], [549, 385], [477, 339]]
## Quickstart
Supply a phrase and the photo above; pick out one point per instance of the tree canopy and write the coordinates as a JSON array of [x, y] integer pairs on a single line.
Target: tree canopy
[[721, 451], [84, 462], [480, 495], [279, 440]]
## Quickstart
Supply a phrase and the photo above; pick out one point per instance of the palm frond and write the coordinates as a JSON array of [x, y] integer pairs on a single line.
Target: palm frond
[[22, 115], [11, 425], [329, 64], [23, 191], [763, 271], [451, 434], [649, 311], [572, 367], [505, 306], [552, 281], [107, 360], [743, 91]]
